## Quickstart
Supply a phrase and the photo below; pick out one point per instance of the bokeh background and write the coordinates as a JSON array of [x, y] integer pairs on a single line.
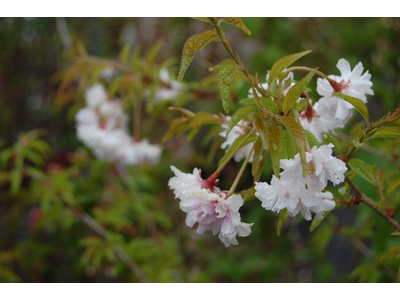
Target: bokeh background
[[42, 241]]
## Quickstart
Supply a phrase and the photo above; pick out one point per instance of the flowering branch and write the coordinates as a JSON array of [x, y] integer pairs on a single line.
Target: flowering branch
[[370, 203], [102, 233]]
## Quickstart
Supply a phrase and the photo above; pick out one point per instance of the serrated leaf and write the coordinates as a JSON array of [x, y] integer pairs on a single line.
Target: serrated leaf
[[224, 81], [283, 63], [297, 132], [288, 147], [202, 118], [312, 140], [15, 181], [315, 222], [283, 215], [392, 187], [362, 169], [386, 132], [357, 103], [266, 103], [192, 45], [259, 168], [274, 145], [177, 127], [239, 115], [221, 64], [262, 130], [257, 155], [238, 23], [334, 140], [295, 91]]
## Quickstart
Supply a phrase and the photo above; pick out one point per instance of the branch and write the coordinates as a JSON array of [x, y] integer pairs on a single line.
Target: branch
[[370, 203], [102, 233]]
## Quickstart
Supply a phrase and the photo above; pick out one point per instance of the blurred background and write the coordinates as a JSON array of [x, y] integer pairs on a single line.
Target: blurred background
[[41, 240]]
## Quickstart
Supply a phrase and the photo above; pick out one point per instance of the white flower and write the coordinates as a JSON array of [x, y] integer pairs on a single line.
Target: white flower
[[350, 83], [236, 132], [206, 205], [303, 194], [95, 96], [311, 120], [147, 152]]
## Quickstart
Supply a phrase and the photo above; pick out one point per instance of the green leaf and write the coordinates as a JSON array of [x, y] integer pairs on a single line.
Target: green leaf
[[362, 169], [334, 140], [224, 81], [297, 132], [238, 23], [249, 194], [177, 127], [295, 91], [221, 64], [315, 222], [192, 45], [274, 145], [257, 154], [259, 168], [395, 233], [283, 215], [386, 132], [262, 130], [266, 103], [357, 103], [15, 181], [283, 63], [239, 115], [288, 147], [201, 19], [202, 118], [124, 54], [312, 140], [392, 187]]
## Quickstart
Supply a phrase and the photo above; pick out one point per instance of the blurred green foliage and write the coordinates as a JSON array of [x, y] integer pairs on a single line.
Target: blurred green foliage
[[41, 240]]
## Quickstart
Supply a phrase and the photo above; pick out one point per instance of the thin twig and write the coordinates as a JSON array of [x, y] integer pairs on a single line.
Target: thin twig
[[371, 204], [102, 233]]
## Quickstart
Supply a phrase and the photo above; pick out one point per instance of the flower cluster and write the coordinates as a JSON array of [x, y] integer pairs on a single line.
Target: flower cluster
[[211, 208], [331, 112], [103, 126], [303, 194]]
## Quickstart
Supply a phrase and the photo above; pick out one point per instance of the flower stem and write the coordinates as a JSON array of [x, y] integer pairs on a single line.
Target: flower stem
[[239, 175], [308, 69]]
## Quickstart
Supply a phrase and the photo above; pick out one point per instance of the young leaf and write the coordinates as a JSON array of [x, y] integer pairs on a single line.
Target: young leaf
[[357, 103], [238, 23], [224, 80], [262, 130], [283, 63], [274, 145], [266, 103], [315, 222], [202, 118], [362, 169], [392, 187], [221, 64], [386, 132], [257, 155], [283, 215], [297, 132], [259, 168], [192, 45], [239, 115], [312, 140], [334, 140], [177, 127], [295, 91], [288, 147], [201, 19]]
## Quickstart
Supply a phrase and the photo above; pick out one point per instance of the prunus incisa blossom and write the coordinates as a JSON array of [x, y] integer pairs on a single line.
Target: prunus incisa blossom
[[208, 206], [351, 83], [300, 193], [103, 126]]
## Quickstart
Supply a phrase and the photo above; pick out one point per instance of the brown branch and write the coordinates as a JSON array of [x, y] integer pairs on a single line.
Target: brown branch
[[102, 233], [370, 203]]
